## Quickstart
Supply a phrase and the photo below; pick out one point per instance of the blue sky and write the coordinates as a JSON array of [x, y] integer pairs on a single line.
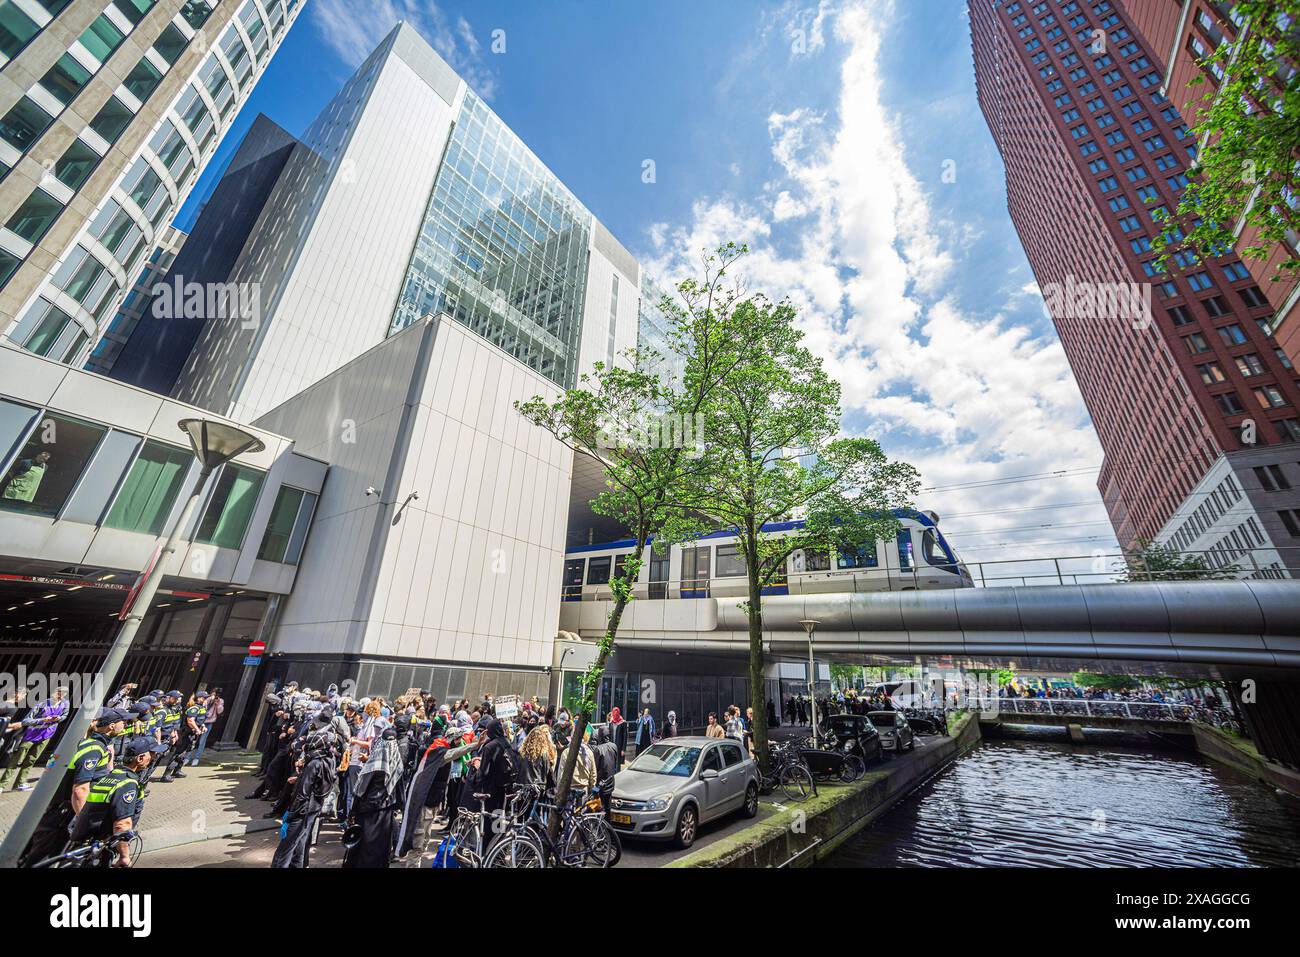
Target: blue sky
[[820, 133]]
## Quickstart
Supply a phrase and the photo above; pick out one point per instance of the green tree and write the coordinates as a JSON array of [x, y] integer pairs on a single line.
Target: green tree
[[1086, 679], [616, 416], [773, 451], [1248, 118], [1149, 561], [844, 676]]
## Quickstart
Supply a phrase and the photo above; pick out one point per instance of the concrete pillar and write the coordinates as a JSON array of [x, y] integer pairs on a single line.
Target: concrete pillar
[[1076, 733]]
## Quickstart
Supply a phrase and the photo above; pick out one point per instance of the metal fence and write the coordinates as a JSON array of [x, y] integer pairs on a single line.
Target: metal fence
[[1086, 707]]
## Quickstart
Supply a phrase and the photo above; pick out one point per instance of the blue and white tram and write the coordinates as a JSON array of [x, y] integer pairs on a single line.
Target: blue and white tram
[[918, 557]]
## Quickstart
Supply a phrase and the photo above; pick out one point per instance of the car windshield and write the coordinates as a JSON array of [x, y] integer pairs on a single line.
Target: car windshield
[[883, 720], [673, 759]]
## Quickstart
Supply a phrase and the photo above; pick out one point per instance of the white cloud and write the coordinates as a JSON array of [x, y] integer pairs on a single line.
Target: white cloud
[[848, 233], [353, 34]]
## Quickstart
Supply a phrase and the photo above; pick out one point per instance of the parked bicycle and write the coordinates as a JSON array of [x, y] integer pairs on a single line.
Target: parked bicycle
[[99, 853], [789, 773], [585, 839]]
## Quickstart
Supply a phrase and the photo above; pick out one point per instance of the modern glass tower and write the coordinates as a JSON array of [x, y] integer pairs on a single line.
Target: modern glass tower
[[108, 114]]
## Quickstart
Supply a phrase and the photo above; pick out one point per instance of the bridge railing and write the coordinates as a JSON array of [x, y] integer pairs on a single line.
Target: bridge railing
[[1086, 708], [1101, 567]]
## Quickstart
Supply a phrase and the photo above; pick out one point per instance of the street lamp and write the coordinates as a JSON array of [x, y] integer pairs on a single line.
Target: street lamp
[[213, 444], [810, 625]]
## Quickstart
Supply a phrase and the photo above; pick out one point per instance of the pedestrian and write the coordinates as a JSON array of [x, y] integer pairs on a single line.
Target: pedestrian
[[539, 756], [714, 730], [645, 731], [216, 707], [312, 782], [44, 721], [670, 725], [375, 802], [618, 732]]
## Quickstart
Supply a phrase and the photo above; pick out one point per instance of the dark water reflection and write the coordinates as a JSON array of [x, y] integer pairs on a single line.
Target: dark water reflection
[[1032, 803]]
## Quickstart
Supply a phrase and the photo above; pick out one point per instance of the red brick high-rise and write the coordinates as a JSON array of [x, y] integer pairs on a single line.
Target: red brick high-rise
[[1192, 404]]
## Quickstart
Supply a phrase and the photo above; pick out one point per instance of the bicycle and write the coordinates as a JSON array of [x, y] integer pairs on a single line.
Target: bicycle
[[98, 853], [586, 839], [469, 833], [789, 773]]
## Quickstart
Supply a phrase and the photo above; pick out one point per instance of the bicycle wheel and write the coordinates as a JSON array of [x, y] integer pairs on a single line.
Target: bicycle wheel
[[587, 844], [602, 840], [797, 783], [465, 833], [854, 767], [516, 850]]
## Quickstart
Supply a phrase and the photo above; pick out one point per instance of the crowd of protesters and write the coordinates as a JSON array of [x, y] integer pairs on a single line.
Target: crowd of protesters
[[394, 771]]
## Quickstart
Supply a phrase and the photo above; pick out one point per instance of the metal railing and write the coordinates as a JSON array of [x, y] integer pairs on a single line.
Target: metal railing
[[1087, 708], [1106, 567]]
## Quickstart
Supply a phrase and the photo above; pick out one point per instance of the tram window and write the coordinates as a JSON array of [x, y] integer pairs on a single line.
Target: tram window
[[47, 467], [933, 550], [620, 562], [573, 579], [658, 576], [905, 549], [598, 571], [863, 557], [816, 560], [731, 564]]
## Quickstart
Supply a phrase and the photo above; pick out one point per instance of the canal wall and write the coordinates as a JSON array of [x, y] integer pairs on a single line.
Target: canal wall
[[1240, 754], [801, 834]]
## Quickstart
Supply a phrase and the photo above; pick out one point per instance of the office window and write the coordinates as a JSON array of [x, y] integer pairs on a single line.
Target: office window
[[231, 506], [35, 215], [16, 28], [65, 79], [75, 165], [40, 479], [1249, 365], [151, 488], [15, 419], [1229, 404], [142, 80], [100, 480], [196, 12], [1211, 373], [1269, 397], [1232, 335], [112, 119], [134, 10], [102, 38], [170, 44], [23, 123], [9, 264], [1271, 478], [292, 509], [1291, 519]]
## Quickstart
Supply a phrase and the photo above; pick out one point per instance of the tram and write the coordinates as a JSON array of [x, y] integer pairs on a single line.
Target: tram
[[918, 557]]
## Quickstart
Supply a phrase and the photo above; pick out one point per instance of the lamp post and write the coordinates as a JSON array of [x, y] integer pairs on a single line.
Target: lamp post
[[810, 625], [213, 444]]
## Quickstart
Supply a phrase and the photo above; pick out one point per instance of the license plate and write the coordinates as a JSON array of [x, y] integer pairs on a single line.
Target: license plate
[[621, 818]]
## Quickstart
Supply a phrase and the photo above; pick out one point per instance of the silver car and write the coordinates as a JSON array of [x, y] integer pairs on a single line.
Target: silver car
[[895, 733], [676, 785]]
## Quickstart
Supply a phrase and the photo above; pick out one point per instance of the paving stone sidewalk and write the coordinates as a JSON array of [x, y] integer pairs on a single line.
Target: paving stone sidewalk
[[211, 801]]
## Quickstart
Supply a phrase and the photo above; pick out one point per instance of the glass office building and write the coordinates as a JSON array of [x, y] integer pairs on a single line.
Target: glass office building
[[503, 248]]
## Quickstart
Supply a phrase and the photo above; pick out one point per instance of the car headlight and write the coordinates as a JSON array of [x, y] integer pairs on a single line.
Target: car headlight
[[660, 803]]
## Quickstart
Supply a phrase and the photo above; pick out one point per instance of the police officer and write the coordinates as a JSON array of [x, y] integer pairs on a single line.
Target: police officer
[[191, 729], [92, 759], [169, 729], [114, 802]]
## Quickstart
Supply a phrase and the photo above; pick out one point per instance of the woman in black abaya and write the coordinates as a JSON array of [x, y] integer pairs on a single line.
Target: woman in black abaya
[[375, 803]]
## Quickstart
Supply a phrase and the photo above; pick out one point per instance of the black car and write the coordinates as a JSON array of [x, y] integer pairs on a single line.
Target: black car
[[856, 734]]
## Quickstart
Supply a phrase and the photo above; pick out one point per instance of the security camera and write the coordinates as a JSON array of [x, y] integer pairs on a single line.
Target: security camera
[[372, 491]]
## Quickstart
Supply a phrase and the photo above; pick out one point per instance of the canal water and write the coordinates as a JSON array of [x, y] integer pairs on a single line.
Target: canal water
[[1049, 804]]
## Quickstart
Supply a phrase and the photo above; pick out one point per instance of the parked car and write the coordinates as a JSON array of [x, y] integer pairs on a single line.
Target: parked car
[[856, 734], [895, 733], [673, 787]]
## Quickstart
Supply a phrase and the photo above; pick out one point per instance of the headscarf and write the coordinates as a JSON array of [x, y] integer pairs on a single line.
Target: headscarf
[[615, 715], [385, 758], [672, 717]]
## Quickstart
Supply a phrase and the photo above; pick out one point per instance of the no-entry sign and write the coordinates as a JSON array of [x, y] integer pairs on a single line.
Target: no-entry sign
[[255, 648]]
